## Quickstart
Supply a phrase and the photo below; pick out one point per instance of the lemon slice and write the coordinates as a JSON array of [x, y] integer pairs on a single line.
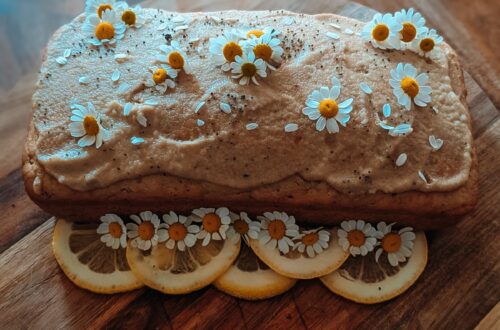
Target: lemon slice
[[88, 262], [363, 280], [177, 272], [297, 265], [249, 278]]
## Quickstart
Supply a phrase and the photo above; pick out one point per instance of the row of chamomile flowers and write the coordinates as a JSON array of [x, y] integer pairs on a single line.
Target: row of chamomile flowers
[[402, 30], [277, 229]]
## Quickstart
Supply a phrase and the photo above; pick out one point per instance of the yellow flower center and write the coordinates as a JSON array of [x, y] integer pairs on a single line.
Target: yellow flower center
[[256, 33], [129, 17], [408, 32], [231, 50], [410, 86], [426, 44], [90, 125], [241, 226], [103, 8], [175, 60], [263, 51], [310, 239], [146, 230], [356, 238], [391, 243], [380, 32], [276, 229], [177, 231], [328, 108], [248, 69], [115, 230], [211, 222], [104, 30], [160, 75]]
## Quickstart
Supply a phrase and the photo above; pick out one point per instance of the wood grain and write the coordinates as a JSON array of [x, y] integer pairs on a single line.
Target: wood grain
[[458, 289]]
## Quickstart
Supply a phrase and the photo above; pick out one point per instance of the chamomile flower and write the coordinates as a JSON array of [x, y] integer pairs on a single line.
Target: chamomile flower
[[265, 47], [427, 43], [323, 106], [98, 7], [131, 16], [398, 245], [105, 31], [382, 31], [247, 68], [257, 33], [214, 223], [244, 227], [312, 242], [144, 230], [225, 48], [409, 87], [113, 231], [174, 56], [412, 24], [278, 229], [161, 78], [177, 231], [86, 125], [357, 237]]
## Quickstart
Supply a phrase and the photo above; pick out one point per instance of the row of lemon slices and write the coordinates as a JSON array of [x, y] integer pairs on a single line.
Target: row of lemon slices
[[244, 269]]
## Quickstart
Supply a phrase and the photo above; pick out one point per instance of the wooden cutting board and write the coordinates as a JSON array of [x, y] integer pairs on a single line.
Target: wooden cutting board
[[459, 288]]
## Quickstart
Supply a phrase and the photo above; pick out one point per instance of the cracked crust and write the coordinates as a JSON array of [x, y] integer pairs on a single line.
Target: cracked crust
[[310, 202]]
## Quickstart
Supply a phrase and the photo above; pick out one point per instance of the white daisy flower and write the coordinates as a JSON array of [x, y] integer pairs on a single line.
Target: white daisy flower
[[312, 241], [225, 48], [131, 16], [243, 226], [174, 56], [144, 230], [98, 7], [177, 231], [161, 78], [412, 24], [247, 68], [382, 31], [278, 229], [397, 245], [322, 106], [86, 125], [113, 231], [214, 223], [257, 33], [410, 87], [357, 237], [265, 47], [427, 43], [105, 31]]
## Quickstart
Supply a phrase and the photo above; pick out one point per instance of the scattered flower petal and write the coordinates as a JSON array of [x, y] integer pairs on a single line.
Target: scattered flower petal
[[116, 75], [251, 126], [401, 160], [291, 127], [365, 88], [136, 140], [435, 143], [61, 60], [332, 35], [225, 107]]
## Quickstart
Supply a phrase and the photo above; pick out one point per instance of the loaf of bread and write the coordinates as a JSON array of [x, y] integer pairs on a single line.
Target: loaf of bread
[[203, 135]]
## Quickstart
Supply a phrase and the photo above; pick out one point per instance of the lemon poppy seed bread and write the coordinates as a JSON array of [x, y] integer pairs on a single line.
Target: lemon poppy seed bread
[[191, 110]]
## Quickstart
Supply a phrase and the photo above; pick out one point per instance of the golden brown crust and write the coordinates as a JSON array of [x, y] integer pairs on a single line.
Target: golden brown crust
[[310, 202]]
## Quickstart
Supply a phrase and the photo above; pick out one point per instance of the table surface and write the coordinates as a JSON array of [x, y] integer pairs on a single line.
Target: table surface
[[460, 287]]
